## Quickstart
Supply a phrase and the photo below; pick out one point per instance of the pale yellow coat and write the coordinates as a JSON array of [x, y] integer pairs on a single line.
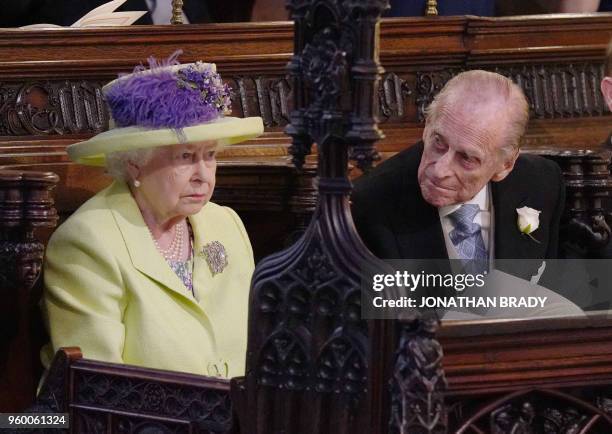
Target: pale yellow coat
[[109, 291]]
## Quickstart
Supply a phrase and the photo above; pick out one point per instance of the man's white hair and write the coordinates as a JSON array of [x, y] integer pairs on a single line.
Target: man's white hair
[[485, 87]]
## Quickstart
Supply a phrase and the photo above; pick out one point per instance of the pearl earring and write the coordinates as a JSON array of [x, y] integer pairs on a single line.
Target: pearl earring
[[136, 183]]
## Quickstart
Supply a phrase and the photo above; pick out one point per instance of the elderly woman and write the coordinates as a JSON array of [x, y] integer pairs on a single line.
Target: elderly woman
[[149, 272]]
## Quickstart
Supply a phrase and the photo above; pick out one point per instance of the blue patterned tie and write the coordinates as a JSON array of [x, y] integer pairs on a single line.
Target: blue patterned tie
[[467, 238]]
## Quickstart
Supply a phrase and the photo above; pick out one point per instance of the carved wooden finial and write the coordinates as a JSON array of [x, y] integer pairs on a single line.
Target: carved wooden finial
[[432, 8], [177, 12]]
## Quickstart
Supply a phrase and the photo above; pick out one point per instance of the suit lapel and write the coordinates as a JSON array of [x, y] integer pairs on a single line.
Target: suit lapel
[[509, 242], [512, 247], [140, 246], [419, 234]]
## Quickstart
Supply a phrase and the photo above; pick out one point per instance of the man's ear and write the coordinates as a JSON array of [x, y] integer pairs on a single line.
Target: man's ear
[[606, 89], [506, 168]]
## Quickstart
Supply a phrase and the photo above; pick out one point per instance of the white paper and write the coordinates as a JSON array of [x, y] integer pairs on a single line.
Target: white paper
[[105, 8], [103, 15], [110, 19], [500, 284]]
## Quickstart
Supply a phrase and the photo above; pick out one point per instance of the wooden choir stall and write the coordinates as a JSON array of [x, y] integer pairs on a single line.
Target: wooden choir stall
[[339, 89]]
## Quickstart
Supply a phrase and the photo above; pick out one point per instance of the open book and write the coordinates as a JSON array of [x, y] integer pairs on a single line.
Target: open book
[[103, 15]]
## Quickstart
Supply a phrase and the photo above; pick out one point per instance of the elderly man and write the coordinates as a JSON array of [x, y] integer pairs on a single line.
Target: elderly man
[[456, 194]]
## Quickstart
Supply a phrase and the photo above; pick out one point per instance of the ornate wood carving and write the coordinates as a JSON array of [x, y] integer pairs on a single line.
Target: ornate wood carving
[[539, 411], [307, 339], [256, 53], [588, 183], [418, 381], [52, 397], [25, 204], [393, 94], [77, 107], [553, 91], [266, 96], [51, 108], [107, 397], [559, 366]]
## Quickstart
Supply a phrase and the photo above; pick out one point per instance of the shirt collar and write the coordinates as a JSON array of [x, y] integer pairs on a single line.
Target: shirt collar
[[481, 199]]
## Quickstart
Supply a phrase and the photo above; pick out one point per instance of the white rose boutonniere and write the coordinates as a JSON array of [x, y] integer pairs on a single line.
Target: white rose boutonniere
[[528, 220]]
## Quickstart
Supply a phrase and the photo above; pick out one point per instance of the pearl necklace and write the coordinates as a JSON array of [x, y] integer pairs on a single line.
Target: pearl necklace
[[175, 249]]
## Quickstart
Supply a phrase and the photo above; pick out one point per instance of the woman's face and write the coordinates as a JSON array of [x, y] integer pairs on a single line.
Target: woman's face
[[178, 180]]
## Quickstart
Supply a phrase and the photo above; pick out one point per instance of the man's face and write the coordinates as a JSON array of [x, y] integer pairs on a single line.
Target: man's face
[[463, 151]]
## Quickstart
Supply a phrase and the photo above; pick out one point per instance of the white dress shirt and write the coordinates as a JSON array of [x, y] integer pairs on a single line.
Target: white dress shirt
[[484, 218]]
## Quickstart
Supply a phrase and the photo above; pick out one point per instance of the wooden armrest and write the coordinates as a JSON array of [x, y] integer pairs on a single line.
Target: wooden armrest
[[114, 397]]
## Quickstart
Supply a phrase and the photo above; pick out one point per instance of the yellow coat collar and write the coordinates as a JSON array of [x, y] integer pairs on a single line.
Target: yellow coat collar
[[142, 250]]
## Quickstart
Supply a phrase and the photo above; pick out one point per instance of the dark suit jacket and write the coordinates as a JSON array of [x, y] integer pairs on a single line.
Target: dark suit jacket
[[395, 222], [66, 12]]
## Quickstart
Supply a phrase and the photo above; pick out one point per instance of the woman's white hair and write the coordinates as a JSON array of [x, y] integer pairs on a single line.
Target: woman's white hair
[[117, 162]]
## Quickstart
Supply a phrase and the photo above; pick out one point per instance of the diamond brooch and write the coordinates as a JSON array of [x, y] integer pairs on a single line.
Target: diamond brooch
[[216, 256]]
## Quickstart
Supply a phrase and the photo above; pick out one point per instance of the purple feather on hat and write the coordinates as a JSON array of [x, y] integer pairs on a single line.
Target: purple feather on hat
[[166, 97]]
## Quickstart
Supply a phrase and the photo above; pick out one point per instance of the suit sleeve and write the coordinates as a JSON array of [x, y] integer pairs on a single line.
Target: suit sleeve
[[369, 212], [553, 246], [84, 297]]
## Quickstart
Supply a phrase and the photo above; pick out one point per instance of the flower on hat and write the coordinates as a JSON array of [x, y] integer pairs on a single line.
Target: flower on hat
[[168, 95], [201, 79]]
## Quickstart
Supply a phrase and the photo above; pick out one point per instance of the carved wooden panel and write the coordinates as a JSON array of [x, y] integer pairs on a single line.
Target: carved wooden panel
[[530, 411], [77, 107], [586, 220], [266, 96], [311, 364], [33, 108], [112, 398], [417, 404], [26, 203], [394, 92], [106, 399], [538, 376], [553, 91]]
